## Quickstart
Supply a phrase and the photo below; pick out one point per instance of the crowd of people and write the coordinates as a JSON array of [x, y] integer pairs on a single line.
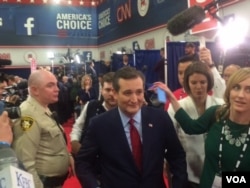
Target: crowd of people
[[118, 140]]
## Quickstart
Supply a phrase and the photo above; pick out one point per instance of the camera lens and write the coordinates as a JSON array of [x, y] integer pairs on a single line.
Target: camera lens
[[13, 112]]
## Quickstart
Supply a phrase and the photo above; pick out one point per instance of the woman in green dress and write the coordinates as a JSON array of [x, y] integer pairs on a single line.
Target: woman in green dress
[[227, 146]]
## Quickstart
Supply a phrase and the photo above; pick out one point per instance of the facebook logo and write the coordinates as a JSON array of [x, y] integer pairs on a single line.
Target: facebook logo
[[87, 55], [29, 25], [26, 25]]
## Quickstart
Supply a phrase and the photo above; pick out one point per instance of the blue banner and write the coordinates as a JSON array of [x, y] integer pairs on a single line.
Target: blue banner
[[47, 24], [122, 18], [26, 25]]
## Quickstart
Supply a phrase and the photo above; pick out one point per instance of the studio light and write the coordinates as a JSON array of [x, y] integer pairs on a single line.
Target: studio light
[[233, 32], [77, 58]]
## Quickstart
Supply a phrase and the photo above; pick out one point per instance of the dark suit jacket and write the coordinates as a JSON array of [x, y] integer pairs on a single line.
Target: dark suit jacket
[[106, 138]]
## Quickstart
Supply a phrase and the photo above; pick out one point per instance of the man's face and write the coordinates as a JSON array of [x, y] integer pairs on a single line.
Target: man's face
[[125, 59], [181, 69], [2, 88], [130, 96], [108, 94], [189, 50], [228, 72], [47, 91]]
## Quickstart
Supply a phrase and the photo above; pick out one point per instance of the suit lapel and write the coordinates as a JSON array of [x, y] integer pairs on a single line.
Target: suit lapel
[[147, 135]]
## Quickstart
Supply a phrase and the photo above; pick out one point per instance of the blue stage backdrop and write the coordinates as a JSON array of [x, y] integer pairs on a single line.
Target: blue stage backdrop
[[122, 18], [32, 25], [47, 25]]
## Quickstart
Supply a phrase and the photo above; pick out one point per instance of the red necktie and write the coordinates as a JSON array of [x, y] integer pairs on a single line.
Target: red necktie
[[136, 144]]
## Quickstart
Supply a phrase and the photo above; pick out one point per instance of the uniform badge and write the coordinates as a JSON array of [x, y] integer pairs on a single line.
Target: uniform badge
[[26, 123]]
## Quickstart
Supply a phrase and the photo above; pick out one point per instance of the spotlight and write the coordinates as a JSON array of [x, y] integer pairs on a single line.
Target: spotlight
[[233, 32]]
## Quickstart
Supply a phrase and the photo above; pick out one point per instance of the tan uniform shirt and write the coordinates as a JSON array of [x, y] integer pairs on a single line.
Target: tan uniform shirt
[[39, 143]]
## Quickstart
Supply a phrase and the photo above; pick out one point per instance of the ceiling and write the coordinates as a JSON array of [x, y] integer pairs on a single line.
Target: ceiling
[[84, 3]]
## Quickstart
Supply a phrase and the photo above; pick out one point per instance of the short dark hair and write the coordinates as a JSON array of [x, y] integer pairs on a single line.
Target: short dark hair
[[200, 68], [190, 44], [108, 77], [126, 73], [187, 58], [3, 77]]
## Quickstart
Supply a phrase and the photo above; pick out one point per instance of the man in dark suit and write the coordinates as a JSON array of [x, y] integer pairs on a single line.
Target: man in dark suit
[[110, 137], [92, 72]]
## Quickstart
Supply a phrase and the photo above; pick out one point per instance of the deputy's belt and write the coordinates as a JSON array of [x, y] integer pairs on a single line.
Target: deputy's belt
[[53, 181]]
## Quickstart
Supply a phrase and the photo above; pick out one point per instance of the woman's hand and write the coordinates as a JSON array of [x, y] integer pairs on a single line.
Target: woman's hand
[[170, 96], [165, 88]]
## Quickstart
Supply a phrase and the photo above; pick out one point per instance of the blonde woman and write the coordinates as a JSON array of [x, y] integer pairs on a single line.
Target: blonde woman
[[227, 127], [86, 92]]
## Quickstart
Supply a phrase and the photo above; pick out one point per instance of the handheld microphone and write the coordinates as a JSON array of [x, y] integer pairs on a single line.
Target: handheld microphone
[[185, 20]]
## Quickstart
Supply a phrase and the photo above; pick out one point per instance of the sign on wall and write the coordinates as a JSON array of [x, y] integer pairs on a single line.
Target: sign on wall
[[122, 18], [209, 23], [47, 23]]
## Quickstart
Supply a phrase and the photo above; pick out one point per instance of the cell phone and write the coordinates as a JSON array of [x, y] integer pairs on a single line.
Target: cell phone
[[161, 95]]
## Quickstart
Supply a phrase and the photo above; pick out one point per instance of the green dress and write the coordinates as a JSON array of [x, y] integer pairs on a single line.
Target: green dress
[[230, 153]]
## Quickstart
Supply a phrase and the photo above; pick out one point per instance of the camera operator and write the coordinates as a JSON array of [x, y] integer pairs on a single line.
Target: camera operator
[[9, 100], [16, 91]]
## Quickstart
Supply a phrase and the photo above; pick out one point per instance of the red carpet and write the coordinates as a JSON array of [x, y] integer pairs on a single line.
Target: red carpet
[[71, 182]]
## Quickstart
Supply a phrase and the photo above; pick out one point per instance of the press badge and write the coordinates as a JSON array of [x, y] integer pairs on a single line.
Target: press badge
[[217, 182]]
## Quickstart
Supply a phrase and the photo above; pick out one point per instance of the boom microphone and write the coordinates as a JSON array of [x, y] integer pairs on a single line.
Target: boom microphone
[[185, 20]]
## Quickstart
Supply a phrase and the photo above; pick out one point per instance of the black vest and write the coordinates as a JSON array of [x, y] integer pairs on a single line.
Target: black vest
[[94, 108]]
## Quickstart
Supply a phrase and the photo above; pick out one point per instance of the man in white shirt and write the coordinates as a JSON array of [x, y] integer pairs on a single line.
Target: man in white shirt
[[91, 109]]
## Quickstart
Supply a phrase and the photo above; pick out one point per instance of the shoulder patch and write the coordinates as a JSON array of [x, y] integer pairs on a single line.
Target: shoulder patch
[[26, 123]]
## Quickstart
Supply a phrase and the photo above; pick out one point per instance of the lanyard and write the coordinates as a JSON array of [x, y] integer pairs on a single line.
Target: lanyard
[[242, 140]]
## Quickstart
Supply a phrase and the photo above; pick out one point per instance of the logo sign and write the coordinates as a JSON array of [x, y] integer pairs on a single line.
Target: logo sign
[[87, 56], [149, 44], [236, 179], [29, 55], [11, 176], [142, 7], [26, 25], [208, 23]]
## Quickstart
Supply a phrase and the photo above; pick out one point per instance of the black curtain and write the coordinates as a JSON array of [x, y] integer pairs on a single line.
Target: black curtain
[[145, 61], [22, 72], [117, 61], [175, 50]]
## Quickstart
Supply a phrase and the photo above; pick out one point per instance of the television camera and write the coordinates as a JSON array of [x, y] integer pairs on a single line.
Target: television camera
[[12, 98]]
